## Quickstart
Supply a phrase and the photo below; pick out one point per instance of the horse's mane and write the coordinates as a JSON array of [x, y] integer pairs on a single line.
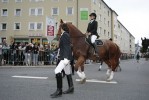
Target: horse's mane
[[77, 31]]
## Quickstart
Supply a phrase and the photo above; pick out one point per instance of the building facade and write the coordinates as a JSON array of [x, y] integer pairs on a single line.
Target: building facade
[[25, 20]]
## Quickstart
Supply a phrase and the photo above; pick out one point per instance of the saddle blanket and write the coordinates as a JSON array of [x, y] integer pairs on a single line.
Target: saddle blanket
[[98, 42]]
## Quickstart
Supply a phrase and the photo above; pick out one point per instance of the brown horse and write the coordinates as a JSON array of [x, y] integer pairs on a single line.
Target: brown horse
[[109, 52]]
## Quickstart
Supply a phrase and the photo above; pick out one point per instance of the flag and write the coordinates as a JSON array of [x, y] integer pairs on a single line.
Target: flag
[[50, 28]]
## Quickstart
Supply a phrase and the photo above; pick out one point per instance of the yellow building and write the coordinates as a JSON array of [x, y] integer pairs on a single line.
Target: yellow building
[[25, 20]]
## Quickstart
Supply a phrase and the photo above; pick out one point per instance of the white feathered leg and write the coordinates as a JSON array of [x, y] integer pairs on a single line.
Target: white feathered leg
[[108, 72], [100, 67], [111, 76], [82, 76]]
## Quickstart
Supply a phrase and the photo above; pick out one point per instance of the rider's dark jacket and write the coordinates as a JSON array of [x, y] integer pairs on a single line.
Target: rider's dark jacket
[[65, 47], [92, 27]]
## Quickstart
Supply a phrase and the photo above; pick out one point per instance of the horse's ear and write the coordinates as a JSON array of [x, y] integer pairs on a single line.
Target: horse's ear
[[61, 21], [144, 38]]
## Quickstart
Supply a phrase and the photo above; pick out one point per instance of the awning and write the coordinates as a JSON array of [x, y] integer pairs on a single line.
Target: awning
[[21, 40], [44, 40]]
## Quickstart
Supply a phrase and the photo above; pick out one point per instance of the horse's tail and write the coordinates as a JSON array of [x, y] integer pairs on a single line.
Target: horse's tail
[[118, 54], [118, 51]]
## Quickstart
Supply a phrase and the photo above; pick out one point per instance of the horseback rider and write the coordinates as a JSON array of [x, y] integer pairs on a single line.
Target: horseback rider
[[92, 31]]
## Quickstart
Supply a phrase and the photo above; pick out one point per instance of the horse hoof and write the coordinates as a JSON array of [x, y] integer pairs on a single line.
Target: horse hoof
[[83, 81], [108, 76], [108, 80]]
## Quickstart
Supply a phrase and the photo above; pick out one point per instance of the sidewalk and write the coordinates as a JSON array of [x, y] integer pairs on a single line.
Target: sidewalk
[[53, 66], [43, 66]]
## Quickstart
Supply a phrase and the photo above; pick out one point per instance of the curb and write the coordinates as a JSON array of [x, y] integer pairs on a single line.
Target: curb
[[44, 66]]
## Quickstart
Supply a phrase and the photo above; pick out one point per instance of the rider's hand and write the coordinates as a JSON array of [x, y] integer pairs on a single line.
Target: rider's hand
[[89, 33]]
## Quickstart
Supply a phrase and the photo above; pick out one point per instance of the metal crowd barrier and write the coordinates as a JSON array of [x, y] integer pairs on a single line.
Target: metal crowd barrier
[[20, 57]]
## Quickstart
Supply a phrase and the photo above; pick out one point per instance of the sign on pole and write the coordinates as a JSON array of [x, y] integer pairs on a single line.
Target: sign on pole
[[50, 28], [84, 13]]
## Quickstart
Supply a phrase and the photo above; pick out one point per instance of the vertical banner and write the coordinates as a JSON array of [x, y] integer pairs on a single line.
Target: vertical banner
[[84, 13], [50, 28]]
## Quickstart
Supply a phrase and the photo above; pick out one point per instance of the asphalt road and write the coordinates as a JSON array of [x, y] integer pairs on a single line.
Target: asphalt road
[[132, 83]]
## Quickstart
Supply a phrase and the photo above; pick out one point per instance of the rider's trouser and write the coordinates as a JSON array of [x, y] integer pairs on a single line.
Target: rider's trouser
[[93, 38], [63, 64]]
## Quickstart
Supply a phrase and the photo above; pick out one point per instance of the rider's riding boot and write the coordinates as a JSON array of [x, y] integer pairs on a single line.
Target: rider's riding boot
[[58, 92], [72, 66], [72, 69], [70, 84], [63, 73], [95, 48]]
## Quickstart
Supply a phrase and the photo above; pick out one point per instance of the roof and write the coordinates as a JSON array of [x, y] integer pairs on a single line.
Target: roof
[[109, 7], [125, 28]]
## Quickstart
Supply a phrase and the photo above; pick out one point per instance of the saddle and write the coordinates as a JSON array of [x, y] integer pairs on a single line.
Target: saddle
[[98, 42]]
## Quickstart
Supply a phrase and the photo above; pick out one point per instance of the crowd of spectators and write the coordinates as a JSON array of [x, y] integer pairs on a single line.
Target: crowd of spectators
[[26, 54]]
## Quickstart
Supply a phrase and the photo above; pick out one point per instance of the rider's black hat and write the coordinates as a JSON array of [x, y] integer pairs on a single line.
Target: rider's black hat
[[93, 14]]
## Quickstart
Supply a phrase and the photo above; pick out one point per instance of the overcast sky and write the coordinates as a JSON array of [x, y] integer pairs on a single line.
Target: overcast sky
[[134, 15]]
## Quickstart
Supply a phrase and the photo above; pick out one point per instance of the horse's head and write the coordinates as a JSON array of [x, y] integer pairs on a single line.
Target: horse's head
[[145, 43], [74, 32], [59, 30]]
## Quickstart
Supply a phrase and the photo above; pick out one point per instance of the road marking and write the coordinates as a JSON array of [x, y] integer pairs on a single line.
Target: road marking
[[99, 81], [29, 77]]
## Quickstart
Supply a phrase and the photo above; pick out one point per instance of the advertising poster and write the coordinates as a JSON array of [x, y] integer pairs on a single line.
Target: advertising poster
[[84, 13]]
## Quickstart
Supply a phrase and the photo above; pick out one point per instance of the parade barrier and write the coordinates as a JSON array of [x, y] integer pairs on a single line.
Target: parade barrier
[[20, 57], [44, 57]]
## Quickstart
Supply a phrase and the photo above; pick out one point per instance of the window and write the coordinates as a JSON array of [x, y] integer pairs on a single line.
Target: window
[[108, 13], [99, 30], [36, 11], [35, 26], [69, 10], [40, 0], [3, 26], [100, 5], [17, 26], [39, 26], [36, 0], [5, 0], [108, 23], [32, 0], [108, 34], [114, 27], [119, 26], [104, 9], [31, 26], [115, 36], [55, 11], [18, 12], [18, 0], [32, 11], [4, 12], [104, 20], [94, 1], [99, 17], [55, 0], [69, 0], [39, 11], [104, 32]]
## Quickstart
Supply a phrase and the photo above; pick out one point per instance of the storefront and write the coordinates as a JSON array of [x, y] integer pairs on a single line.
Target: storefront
[[44, 41], [19, 40], [33, 40]]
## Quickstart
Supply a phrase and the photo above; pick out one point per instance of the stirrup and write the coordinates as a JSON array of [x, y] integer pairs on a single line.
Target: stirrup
[[96, 54]]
